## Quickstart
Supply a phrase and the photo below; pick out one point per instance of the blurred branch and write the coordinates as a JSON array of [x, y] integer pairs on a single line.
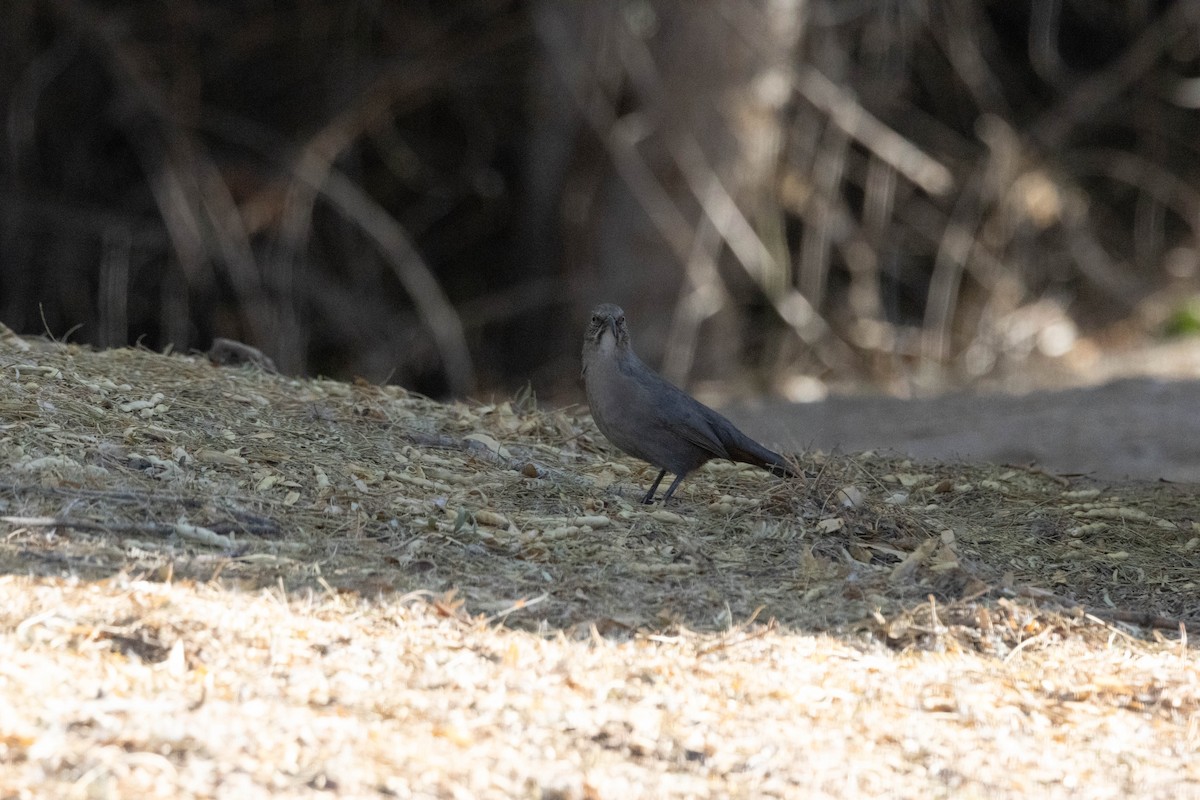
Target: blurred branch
[[1151, 180], [887, 145], [819, 236], [194, 202], [721, 211], [389, 236], [1146, 176], [313, 173], [620, 137], [964, 37], [896, 179], [505, 304], [1045, 25], [153, 84], [418, 280], [983, 189], [953, 255], [700, 296], [1099, 90], [114, 287]]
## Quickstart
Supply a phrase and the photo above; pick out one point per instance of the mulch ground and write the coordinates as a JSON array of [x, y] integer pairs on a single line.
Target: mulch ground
[[222, 582]]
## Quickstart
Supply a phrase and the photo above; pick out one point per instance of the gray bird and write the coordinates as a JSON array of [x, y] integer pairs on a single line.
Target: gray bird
[[651, 419]]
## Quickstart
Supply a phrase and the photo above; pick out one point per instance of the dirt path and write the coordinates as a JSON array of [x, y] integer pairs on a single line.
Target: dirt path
[[1141, 428]]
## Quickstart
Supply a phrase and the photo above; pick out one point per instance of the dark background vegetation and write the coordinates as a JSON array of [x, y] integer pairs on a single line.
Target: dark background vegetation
[[434, 193]]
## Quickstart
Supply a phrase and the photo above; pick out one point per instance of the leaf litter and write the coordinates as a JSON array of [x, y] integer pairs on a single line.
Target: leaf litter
[[225, 582]]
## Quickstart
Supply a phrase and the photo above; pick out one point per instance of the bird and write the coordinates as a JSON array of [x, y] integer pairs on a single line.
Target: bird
[[649, 418]]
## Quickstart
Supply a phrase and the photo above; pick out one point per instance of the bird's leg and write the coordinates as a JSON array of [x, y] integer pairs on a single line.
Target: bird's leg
[[671, 488], [649, 498]]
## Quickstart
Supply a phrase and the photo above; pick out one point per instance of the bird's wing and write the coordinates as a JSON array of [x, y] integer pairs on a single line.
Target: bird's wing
[[707, 429], [689, 419]]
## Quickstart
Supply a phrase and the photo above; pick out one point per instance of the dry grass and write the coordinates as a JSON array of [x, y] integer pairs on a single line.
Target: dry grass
[[220, 582]]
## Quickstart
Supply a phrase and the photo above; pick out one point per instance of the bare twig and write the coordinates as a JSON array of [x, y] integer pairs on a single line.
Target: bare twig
[[184, 530]]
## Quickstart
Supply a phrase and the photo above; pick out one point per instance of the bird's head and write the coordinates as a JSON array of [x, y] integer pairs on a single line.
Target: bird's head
[[607, 330]]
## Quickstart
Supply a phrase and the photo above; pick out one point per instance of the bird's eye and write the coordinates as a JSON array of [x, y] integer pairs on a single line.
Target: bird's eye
[[621, 320], [596, 319]]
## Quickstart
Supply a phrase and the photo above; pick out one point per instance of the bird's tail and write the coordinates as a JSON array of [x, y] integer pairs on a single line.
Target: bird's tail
[[748, 451]]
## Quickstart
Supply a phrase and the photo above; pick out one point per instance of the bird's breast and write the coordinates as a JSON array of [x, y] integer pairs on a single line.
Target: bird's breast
[[607, 346]]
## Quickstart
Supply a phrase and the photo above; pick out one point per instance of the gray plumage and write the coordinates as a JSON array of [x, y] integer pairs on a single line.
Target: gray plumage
[[651, 419]]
